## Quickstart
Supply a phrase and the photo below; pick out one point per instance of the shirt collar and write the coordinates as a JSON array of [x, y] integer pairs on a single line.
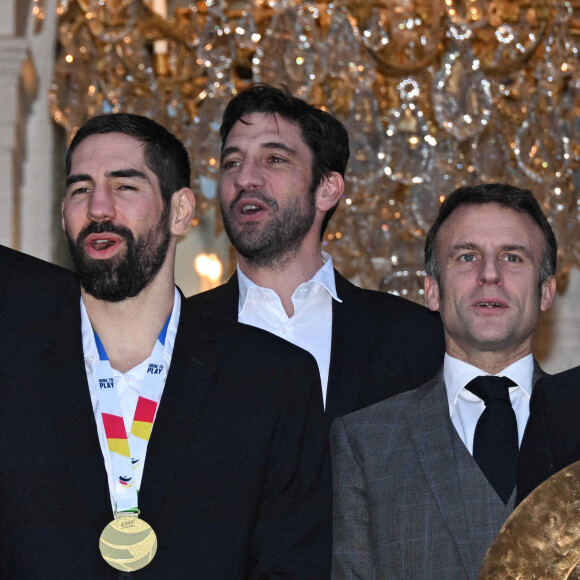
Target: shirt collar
[[324, 276], [457, 374], [90, 347]]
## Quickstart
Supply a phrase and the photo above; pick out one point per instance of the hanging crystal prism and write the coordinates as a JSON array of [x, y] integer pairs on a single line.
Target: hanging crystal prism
[[245, 29], [442, 176], [467, 13], [275, 40], [543, 142], [561, 53], [215, 51], [461, 94], [408, 141], [204, 137], [345, 58], [367, 141], [414, 33], [304, 54], [374, 35], [491, 157]]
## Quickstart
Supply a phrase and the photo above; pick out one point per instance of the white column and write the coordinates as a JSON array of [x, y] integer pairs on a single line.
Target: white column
[[17, 89]]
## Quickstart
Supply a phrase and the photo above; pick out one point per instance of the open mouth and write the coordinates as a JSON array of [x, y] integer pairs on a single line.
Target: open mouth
[[490, 305], [250, 209], [103, 244]]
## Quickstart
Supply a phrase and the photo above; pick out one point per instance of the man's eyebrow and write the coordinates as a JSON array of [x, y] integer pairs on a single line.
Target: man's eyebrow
[[229, 151], [276, 145], [269, 145], [463, 246], [76, 178], [505, 248], [515, 248], [127, 173]]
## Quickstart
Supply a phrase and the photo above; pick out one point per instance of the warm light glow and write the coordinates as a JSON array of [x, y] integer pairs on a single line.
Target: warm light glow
[[210, 270]]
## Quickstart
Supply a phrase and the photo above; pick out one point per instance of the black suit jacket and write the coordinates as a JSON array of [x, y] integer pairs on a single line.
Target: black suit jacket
[[236, 471], [381, 344], [552, 438], [31, 291]]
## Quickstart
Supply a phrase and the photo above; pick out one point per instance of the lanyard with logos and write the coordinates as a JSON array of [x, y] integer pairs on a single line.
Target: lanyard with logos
[[129, 543], [127, 453]]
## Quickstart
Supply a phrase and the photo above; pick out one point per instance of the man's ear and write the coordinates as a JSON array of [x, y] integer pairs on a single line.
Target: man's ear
[[182, 211], [432, 293], [547, 293], [329, 191]]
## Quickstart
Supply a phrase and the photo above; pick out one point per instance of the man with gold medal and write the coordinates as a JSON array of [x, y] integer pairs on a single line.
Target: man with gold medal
[[213, 432]]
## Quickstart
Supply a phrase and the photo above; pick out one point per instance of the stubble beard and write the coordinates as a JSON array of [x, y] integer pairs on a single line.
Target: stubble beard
[[274, 244], [124, 275]]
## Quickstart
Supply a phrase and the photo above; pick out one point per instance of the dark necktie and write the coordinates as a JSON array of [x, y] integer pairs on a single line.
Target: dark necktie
[[495, 443]]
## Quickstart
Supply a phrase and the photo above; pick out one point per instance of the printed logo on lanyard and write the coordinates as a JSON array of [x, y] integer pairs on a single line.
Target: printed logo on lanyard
[[127, 454]]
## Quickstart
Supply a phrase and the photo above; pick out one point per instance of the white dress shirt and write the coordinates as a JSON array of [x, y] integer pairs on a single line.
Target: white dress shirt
[[128, 384], [465, 408], [309, 328]]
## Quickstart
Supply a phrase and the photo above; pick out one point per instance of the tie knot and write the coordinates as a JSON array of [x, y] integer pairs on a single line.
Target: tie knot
[[488, 388]]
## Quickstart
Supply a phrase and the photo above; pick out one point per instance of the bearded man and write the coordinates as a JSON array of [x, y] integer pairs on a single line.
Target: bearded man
[[144, 407]]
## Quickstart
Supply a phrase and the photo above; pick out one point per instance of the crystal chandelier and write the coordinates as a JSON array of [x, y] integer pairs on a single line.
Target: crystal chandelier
[[434, 93]]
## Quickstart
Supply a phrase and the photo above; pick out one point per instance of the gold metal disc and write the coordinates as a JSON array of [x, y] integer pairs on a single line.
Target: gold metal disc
[[541, 538], [128, 543]]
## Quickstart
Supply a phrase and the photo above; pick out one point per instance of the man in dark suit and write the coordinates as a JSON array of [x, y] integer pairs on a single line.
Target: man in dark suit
[[218, 427], [282, 174], [552, 438], [424, 480]]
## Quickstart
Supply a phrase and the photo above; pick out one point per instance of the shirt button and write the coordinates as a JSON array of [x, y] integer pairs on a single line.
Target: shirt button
[[284, 330]]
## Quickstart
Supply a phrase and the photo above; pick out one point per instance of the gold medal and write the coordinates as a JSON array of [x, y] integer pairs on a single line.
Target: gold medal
[[128, 543]]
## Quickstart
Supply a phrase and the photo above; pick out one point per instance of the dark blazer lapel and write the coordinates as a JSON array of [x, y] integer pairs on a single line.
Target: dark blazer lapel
[[190, 376], [350, 328], [431, 433], [68, 401]]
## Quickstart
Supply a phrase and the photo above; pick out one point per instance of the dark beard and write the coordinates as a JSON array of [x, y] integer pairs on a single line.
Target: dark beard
[[123, 276], [272, 245]]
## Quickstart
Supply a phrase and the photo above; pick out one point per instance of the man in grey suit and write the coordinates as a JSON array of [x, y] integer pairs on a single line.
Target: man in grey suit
[[424, 480]]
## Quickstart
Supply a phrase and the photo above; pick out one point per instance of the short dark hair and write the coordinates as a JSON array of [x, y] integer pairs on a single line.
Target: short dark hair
[[163, 152], [325, 135], [521, 200]]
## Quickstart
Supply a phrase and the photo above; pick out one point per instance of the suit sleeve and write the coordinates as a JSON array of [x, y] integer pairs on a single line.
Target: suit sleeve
[[352, 554], [293, 532]]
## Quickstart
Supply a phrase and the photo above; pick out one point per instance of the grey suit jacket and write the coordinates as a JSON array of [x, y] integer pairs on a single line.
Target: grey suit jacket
[[409, 500]]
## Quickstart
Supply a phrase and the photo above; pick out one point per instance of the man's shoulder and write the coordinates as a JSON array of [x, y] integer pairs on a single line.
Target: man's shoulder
[[560, 391], [397, 306], [32, 289], [221, 300], [389, 410], [15, 263]]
